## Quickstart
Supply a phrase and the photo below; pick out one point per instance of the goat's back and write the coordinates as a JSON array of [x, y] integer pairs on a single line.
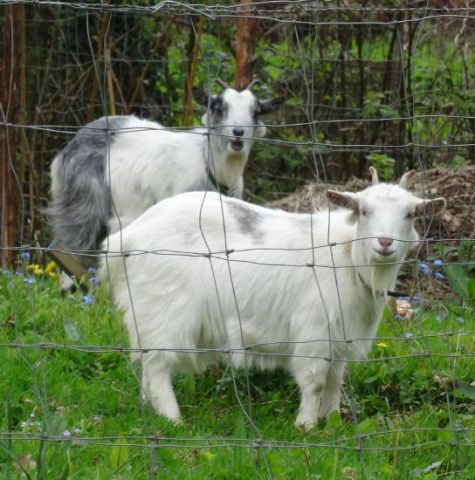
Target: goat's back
[[206, 271]]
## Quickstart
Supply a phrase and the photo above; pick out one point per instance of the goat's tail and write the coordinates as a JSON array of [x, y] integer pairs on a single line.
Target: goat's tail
[[80, 208]]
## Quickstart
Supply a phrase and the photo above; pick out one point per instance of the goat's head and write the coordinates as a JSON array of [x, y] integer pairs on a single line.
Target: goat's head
[[233, 117], [385, 216]]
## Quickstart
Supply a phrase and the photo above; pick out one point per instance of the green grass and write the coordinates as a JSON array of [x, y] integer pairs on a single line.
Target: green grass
[[67, 413]]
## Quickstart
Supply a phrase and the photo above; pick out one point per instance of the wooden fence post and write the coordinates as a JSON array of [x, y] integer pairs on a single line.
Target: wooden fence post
[[244, 45], [10, 184]]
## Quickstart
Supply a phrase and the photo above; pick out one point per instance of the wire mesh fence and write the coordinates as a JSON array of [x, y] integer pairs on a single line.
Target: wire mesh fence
[[364, 84]]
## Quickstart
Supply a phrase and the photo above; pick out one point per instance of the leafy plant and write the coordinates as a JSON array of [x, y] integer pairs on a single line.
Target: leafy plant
[[382, 163], [460, 274]]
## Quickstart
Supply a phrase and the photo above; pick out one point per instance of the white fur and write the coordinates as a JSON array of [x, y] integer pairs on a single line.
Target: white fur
[[149, 163], [285, 309]]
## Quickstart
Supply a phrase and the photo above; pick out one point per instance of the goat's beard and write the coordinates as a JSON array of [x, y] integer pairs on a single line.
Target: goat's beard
[[383, 279]]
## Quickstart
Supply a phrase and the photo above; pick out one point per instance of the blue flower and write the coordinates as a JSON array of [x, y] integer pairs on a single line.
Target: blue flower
[[408, 335], [441, 316], [416, 299], [25, 256], [438, 262], [87, 299], [438, 275], [29, 280], [91, 270], [424, 268], [398, 317], [94, 280], [460, 320]]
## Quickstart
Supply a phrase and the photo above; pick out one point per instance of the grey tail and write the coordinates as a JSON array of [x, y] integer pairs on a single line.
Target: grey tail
[[81, 203], [79, 214]]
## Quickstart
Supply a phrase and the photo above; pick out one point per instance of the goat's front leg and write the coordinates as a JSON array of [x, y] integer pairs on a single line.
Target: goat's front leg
[[330, 401], [311, 377], [157, 386]]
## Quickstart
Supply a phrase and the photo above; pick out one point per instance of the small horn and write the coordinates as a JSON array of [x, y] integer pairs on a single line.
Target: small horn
[[374, 176], [252, 83], [222, 83], [404, 179]]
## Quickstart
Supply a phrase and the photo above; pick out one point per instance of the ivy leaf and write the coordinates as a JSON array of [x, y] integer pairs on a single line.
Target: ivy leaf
[[466, 390], [458, 279], [367, 425]]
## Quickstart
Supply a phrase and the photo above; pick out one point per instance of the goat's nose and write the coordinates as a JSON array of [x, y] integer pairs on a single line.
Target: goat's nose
[[385, 242], [238, 131]]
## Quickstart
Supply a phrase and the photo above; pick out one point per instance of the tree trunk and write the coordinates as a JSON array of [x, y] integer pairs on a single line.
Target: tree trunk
[[192, 64], [10, 83], [244, 45]]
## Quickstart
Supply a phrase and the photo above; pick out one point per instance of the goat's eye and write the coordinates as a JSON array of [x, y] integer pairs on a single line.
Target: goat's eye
[[218, 107], [364, 212], [411, 214]]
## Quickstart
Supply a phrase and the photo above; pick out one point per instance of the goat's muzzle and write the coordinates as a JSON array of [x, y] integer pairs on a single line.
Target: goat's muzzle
[[236, 144]]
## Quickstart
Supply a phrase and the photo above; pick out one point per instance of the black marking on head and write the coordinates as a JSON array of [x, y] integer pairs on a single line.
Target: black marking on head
[[248, 219], [218, 108], [256, 110]]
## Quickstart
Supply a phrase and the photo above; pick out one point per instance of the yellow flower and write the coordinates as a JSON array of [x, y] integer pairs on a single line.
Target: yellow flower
[[35, 269], [382, 345], [51, 267]]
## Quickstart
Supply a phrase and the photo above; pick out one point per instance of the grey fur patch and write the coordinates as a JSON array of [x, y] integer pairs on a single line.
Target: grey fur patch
[[82, 206], [248, 219]]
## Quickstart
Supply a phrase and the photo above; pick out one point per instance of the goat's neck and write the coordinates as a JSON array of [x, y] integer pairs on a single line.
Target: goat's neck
[[375, 279], [226, 167]]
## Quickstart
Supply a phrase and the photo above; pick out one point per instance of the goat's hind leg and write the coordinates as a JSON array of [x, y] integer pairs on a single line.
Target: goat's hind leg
[[311, 379], [330, 400], [157, 385]]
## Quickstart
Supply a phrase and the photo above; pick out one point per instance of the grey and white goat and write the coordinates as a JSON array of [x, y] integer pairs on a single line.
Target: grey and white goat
[[116, 167], [227, 280]]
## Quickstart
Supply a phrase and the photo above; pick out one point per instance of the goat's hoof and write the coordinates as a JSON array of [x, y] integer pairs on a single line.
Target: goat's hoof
[[304, 424]]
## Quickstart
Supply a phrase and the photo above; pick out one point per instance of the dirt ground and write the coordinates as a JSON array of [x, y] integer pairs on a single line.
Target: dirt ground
[[457, 186]]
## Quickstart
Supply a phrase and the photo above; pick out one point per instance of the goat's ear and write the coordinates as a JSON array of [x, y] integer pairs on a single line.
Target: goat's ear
[[269, 106], [261, 130], [343, 199], [428, 208]]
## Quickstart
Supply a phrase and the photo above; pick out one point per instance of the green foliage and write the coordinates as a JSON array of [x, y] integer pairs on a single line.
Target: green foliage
[[401, 399], [383, 164], [459, 267]]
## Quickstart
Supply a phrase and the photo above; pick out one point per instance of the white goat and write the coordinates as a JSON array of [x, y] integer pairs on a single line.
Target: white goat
[[117, 167], [277, 303]]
